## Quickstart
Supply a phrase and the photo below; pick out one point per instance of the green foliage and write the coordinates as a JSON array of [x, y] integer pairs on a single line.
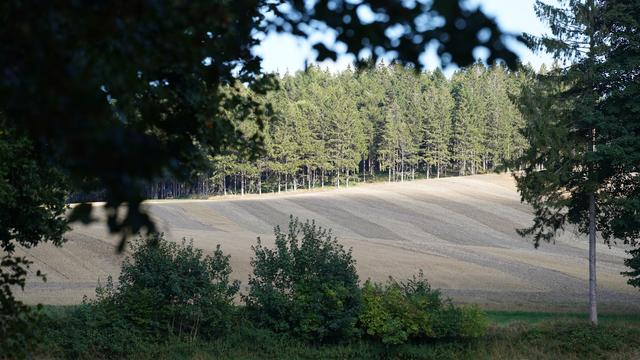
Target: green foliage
[[569, 339], [306, 286], [164, 289], [582, 122], [18, 326], [167, 92], [189, 291], [399, 312], [32, 195], [355, 125], [634, 264]]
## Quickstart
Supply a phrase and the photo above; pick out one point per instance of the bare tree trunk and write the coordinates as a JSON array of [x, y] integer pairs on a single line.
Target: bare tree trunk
[[593, 308]]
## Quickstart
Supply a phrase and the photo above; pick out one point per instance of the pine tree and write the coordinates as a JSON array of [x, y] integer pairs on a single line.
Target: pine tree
[[569, 172]]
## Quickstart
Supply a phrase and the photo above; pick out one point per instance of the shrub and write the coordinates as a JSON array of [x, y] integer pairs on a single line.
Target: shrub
[[398, 312], [307, 285], [165, 289], [186, 292], [17, 320]]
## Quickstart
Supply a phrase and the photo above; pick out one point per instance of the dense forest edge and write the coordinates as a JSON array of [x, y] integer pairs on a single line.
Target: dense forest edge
[[384, 123]]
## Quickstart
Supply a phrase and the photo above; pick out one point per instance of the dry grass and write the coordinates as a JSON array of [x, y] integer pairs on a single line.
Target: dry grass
[[460, 231]]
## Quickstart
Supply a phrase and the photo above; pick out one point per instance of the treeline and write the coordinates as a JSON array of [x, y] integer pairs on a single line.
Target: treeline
[[337, 128], [334, 129]]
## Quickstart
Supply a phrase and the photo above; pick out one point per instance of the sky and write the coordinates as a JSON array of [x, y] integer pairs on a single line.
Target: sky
[[284, 53]]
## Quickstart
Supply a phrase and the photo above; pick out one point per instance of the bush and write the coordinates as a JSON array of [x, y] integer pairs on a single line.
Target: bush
[[184, 291], [17, 320], [399, 312], [165, 290], [307, 285]]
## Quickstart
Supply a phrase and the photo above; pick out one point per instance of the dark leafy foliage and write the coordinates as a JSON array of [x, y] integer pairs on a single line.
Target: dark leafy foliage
[[32, 204], [123, 93], [18, 322], [634, 264], [306, 286], [592, 101], [399, 312], [164, 290], [32, 194]]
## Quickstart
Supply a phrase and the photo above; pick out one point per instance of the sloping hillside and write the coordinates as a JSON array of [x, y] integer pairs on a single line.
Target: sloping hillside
[[460, 231]]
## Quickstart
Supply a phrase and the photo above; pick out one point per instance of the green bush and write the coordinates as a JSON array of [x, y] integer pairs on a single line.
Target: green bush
[[307, 285], [398, 312], [165, 290], [187, 293]]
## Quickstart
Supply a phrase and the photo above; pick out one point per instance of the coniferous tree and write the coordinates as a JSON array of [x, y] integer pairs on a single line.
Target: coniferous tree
[[571, 174]]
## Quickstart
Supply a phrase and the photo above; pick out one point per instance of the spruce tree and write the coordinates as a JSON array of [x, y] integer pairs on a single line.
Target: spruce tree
[[571, 174]]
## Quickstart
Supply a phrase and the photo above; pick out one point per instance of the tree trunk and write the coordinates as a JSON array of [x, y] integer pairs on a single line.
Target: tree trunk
[[593, 308]]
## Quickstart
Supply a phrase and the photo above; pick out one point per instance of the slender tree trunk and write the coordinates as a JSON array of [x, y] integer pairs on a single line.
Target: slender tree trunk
[[593, 307], [364, 170]]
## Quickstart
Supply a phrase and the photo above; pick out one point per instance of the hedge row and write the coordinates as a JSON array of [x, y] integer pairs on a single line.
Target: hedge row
[[305, 286]]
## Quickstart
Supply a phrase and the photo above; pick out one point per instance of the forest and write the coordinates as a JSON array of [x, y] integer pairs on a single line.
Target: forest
[[385, 122]]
